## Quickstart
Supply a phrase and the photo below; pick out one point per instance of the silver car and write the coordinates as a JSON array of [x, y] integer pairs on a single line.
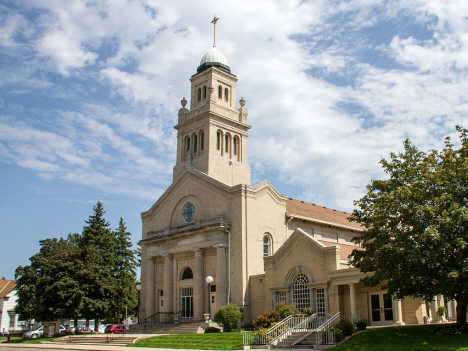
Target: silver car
[[34, 334]]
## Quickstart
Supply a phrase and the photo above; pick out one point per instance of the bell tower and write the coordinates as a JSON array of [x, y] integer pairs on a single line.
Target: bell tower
[[212, 135]]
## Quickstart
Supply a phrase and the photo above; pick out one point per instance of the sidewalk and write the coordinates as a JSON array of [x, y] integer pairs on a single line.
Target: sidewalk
[[88, 347]]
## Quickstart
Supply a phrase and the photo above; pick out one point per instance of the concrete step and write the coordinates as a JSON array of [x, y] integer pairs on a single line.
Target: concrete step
[[120, 341]]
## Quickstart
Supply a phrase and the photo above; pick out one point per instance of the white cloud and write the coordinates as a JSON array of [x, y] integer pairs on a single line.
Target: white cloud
[[322, 115]]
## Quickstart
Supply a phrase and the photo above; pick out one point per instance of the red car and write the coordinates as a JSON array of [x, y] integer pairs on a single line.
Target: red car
[[115, 328]]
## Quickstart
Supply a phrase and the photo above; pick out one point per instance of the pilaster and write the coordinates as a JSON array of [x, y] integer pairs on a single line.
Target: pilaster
[[198, 285], [221, 276], [167, 284], [149, 298]]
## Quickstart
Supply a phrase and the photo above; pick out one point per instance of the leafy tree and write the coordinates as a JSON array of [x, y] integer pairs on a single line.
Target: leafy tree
[[125, 264], [47, 289], [98, 246], [416, 221]]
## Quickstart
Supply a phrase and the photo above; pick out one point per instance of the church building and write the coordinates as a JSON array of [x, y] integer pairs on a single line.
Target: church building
[[213, 238]]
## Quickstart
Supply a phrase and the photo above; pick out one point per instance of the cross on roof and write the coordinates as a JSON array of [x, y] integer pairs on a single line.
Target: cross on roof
[[215, 19]]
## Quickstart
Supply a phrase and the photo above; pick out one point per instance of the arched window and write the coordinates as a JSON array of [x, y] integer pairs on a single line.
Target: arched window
[[226, 93], [187, 144], [226, 143], [199, 94], [218, 141], [267, 245], [202, 140], [300, 292], [187, 274], [235, 146], [220, 92], [204, 91], [195, 143]]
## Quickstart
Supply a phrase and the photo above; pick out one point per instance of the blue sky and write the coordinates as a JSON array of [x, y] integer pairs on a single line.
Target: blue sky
[[90, 90]]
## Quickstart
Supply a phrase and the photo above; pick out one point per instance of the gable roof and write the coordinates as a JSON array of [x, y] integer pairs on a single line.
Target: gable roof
[[320, 213], [6, 286]]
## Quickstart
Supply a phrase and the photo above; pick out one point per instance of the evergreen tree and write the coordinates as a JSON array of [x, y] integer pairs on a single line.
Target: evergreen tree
[[126, 263], [98, 245]]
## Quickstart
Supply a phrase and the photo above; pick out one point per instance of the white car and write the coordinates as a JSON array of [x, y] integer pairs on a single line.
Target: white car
[[34, 334]]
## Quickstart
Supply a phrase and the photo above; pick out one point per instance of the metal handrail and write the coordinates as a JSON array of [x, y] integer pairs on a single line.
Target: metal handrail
[[320, 330], [113, 336], [273, 334]]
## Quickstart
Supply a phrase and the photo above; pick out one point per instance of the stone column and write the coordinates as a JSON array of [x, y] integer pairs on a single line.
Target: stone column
[[434, 311], [352, 299], [221, 276], [149, 301], [453, 303], [398, 313], [198, 286], [167, 284], [327, 302]]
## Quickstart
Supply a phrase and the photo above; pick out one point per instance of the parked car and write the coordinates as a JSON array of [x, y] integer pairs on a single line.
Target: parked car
[[78, 330], [115, 328], [34, 334]]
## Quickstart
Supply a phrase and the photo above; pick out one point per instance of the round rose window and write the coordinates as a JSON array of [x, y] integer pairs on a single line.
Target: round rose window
[[188, 212]]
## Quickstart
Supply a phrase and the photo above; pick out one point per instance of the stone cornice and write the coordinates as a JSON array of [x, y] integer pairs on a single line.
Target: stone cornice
[[204, 226]]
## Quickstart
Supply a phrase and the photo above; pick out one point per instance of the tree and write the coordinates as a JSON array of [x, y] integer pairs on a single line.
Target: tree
[[125, 264], [47, 289], [416, 225], [98, 246]]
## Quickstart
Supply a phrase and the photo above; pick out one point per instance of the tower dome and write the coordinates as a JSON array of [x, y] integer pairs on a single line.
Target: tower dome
[[216, 58]]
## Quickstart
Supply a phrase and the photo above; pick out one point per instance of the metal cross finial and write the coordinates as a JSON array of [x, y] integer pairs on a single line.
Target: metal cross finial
[[215, 19]]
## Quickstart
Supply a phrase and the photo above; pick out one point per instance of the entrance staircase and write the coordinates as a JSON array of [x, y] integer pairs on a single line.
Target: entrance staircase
[[102, 339], [296, 331]]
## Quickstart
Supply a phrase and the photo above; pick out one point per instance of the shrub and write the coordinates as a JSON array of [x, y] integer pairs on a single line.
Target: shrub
[[309, 311], [229, 316], [362, 324], [247, 327], [284, 310], [338, 335], [212, 330], [345, 326], [266, 319]]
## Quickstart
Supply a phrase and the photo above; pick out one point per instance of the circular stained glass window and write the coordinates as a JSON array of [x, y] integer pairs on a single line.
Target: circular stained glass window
[[188, 212]]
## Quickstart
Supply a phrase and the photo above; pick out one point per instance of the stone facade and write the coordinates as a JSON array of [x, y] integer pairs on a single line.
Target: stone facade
[[259, 246]]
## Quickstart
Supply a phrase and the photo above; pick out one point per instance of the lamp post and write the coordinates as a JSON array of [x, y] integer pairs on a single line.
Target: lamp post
[[138, 287], [209, 280]]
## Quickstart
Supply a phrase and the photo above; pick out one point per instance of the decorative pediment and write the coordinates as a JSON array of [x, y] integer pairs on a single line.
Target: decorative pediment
[[300, 239], [188, 174]]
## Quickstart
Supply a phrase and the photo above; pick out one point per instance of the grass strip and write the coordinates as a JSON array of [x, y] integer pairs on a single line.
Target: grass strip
[[406, 338], [212, 341]]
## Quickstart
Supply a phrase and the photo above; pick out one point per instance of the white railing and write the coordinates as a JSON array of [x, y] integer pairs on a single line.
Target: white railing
[[267, 337], [299, 329], [295, 328], [325, 334]]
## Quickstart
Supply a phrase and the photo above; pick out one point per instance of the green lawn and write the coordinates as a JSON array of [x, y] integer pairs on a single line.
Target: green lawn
[[211, 341], [410, 338]]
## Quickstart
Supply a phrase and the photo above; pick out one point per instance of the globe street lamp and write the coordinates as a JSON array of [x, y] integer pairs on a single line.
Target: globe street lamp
[[138, 287], [209, 280]]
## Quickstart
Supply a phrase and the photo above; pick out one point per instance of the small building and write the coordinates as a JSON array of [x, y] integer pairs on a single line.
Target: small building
[[9, 322]]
